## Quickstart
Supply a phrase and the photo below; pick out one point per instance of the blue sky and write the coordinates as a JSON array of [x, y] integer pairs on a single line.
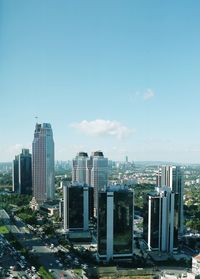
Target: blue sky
[[120, 76]]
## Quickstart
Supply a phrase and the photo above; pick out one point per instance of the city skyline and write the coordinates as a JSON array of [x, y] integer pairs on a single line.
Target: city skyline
[[121, 77]]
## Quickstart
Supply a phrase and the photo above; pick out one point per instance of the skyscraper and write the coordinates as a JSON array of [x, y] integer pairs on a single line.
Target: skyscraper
[[93, 171], [99, 174], [79, 170], [22, 173], [160, 220], [115, 224], [43, 163], [172, 177], [78, 206]]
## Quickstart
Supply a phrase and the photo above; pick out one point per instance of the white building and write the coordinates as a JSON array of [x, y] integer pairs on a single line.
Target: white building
[[93, 171], [172, 177], [195, 274], [43, 163], [79, 170], [99, 174]]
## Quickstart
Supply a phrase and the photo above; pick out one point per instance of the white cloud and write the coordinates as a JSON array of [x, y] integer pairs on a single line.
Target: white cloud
[[144, 96], [149, 94], [9, 152], [101, 127]]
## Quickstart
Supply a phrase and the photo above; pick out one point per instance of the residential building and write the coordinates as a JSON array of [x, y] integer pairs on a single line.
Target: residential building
[[22, 173]]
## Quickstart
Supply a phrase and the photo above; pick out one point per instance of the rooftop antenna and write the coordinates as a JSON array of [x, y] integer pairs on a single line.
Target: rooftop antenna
[[36, 119]]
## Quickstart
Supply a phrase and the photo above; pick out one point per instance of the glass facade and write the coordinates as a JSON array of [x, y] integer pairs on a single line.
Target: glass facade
[[75, 217], [22, 173], [102, 223], [115, 223], [123, 222], [154, 221]]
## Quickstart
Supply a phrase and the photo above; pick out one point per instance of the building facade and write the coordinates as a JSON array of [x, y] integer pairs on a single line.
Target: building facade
[[22, 173], [115, 224], [172, 177], [78, 206], [160, 230], [79, 168], [99, 174], [93, 171], [43, 163]]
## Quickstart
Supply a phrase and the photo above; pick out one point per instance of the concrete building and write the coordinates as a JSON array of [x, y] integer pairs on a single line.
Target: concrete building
[[22, 173], [195, 274], [160, 229], [43, 163], [115, 223], [172, 177]]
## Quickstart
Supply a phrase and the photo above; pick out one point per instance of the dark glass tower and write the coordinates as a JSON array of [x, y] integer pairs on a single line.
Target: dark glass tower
[[78, 207], [22, 173], [115, 224]]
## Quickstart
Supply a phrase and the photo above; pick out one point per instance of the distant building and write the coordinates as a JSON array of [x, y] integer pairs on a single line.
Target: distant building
[[78, 206], [22, 173], [160, 226], [43, 163], [79, 169], [172, 177], [115, 224], [93, 171], [99, 174]]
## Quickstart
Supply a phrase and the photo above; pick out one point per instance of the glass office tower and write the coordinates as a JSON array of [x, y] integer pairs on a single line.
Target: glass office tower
[[22, 173], [78, 206], [115, 224]]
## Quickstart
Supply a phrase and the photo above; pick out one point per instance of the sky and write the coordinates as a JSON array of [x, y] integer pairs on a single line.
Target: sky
[[121, 76]]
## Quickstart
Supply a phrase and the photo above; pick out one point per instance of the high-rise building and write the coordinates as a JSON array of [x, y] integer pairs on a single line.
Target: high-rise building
[[93, 171], [79, 170], [43, 163], [161, 220], [22, 173], [78, 206], [172, 177], [115, 224], [99, 174]]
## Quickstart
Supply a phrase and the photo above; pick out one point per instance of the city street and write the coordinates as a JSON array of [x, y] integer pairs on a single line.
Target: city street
[[37, 247]]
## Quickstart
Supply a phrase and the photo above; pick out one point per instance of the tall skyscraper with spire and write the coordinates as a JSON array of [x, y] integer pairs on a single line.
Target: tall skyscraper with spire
[[43, 163]]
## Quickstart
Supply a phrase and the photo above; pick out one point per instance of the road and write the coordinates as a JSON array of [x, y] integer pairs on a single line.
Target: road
[[45, 255]]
